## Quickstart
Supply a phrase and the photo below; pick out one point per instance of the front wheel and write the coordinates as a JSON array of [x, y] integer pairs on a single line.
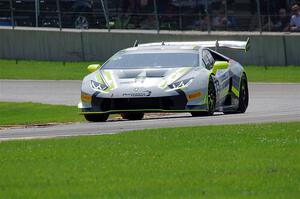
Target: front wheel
[[211, 101], [96, 117], [132, 116]]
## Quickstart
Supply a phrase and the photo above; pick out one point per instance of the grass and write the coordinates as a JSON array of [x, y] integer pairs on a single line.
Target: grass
[[233, 161], [287, 74], [42, 70], [12, 113]]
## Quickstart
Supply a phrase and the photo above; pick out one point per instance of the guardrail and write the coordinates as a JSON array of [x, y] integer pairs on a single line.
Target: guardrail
[[94, 45]]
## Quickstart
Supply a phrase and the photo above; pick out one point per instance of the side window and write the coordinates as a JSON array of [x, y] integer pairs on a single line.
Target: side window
[[207, 59], [217, 57]]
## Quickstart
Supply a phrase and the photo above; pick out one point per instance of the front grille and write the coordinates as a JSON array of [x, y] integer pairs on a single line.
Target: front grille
[[166, 103]]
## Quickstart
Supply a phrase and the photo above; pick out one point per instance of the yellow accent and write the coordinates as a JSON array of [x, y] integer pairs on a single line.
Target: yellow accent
[[86, 97], [177, 74], [99, 78], [194, 95], [111, 83], [93, 67], [220, 65], [182, 87], [235, 91], [163, 84], [108, 75], [173, 77]]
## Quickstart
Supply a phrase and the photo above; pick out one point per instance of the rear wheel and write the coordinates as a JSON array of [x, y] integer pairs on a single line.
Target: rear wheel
[[243, 97], [211, 101], [96, 117], [132, 116]]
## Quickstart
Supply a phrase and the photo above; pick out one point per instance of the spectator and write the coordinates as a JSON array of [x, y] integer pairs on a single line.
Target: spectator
[[295, 19], [220, 21], [149, 23], [129, 18], [169, 18], [282, 22]]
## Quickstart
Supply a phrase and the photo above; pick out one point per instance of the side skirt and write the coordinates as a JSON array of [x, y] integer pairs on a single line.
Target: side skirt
[[142, 110]]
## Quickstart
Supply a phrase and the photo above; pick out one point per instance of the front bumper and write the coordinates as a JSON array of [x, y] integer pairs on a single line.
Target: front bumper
[[145, 104]]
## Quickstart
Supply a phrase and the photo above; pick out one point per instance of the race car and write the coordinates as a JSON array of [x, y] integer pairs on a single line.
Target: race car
[[166, 77]]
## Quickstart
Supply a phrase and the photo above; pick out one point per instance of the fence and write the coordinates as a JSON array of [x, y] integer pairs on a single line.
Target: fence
[[201, 15]]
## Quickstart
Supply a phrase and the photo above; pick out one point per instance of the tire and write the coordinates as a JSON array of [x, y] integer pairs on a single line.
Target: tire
[[132, 116], [244, 95], [243, 98], [96, 117], [211, 101]]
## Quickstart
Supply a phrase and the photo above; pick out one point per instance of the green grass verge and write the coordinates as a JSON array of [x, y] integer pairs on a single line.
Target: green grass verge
[[234, 161], [43, 70], [12, 113], [288, 74]]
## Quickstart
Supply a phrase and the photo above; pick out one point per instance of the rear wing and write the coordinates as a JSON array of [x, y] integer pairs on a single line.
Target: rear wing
[[238, 45]]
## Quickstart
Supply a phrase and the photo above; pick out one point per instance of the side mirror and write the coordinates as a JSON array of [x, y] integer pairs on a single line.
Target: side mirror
[[93, 67], [220, 65]]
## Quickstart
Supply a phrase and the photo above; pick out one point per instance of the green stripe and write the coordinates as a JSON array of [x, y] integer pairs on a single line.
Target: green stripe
[[110, 81], [235, 91], [99, 78], [174, 77]]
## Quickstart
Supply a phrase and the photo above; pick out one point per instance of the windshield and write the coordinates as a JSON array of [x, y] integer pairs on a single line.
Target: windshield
[[152, 60]]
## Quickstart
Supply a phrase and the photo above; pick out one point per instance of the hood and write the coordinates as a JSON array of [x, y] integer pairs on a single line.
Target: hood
[[160, 77], [141, 73], [136, 73]]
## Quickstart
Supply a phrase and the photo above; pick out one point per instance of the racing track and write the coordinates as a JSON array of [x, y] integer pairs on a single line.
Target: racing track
[[268, 103]]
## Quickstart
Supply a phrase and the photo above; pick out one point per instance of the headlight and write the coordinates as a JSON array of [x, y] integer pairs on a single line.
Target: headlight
[[181, 84], [98, 86]]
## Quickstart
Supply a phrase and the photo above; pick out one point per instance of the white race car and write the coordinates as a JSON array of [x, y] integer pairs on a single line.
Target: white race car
[[166, 77]]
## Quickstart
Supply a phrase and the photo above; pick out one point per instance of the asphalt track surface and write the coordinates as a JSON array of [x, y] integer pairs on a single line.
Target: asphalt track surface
[[268, 103]]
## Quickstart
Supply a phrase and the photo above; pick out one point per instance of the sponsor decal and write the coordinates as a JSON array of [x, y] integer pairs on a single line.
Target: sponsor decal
[[195, 95], [146, 93]]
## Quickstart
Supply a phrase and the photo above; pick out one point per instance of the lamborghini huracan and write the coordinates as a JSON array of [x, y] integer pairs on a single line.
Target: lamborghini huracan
[[166, 77]]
